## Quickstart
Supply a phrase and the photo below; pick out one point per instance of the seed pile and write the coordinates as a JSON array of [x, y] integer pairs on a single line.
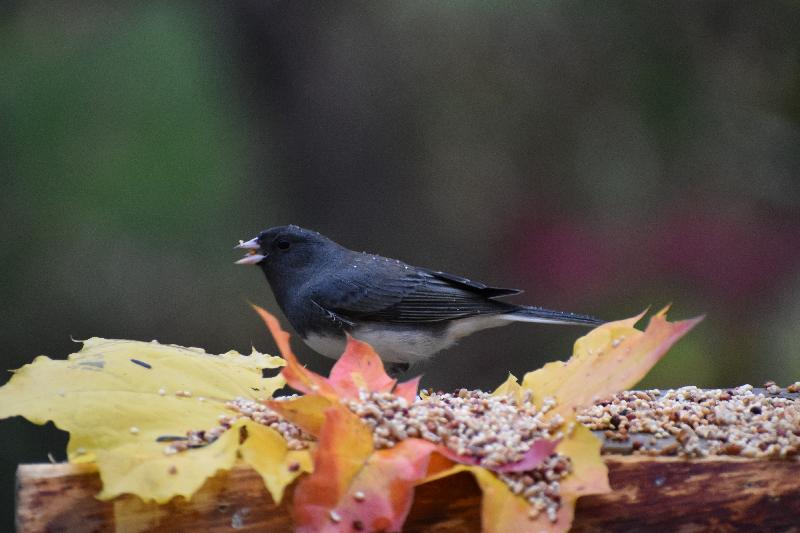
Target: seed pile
[[541, 487], [497, 430], [296, 438], [489, 430], [692, 422]]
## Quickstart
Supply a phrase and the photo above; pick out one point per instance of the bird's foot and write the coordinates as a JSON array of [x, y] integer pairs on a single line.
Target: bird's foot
[[396, 370]]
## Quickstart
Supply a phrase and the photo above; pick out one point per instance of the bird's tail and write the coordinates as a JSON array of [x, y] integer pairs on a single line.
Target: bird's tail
[[525, 313]]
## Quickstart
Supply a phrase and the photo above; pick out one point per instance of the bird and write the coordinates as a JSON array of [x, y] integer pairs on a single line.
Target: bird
[[406, 313]]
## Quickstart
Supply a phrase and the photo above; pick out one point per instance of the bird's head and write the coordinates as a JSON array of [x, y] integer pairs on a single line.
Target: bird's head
[[287, 251]]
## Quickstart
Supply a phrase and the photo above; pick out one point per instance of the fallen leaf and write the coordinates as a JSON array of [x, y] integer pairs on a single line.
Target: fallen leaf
[[610, 358], [265, 450], [540, 450], [501, 510], [116, 398], [510, 387], [589, 473], [354, 487], [307, 412], [408, 389], [295, 374], [358, 369]]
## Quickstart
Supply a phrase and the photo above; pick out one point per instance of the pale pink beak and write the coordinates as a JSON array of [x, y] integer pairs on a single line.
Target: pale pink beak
[[253, 257]]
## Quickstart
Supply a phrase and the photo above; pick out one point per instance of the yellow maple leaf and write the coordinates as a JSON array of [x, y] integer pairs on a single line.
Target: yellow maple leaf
[[610, 358], [589, 473], [266, 451], [502, 511], [510, 387], [119, 400]]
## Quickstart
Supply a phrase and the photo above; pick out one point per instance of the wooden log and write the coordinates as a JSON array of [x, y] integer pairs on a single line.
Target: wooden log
[[649, 494]]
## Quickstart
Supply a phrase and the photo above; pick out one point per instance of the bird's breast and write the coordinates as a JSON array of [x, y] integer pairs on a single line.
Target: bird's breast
[[395, 345], [400, 343]]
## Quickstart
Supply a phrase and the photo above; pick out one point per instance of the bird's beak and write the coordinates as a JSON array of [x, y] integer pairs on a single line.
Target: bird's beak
[[253, 257]]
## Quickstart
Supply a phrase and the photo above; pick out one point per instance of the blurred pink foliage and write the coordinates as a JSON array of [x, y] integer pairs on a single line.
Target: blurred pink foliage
[[726, 255]]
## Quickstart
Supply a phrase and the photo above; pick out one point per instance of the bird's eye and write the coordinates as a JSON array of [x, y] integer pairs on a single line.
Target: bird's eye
[[283, 245]]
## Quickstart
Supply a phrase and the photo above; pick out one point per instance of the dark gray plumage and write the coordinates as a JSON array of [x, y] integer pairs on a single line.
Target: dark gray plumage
[[406, 313]]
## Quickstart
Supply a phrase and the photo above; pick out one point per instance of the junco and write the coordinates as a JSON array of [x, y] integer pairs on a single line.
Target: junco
[[406, 313]]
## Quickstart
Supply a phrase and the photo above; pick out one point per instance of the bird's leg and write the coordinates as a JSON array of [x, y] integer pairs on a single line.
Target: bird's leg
[[395, 370]]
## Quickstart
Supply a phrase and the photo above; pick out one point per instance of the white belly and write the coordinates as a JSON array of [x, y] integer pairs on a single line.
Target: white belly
[[400, 344]]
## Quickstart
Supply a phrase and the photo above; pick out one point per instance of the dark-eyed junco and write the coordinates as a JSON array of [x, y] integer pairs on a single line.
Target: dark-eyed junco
[[406, 313]]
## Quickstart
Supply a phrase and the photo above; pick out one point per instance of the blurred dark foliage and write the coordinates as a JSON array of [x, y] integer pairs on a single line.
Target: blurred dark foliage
[[605, 157]]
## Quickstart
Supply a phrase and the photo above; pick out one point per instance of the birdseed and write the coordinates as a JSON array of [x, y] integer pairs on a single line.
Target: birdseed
[[492, 431], [487, 430], [692, 422]]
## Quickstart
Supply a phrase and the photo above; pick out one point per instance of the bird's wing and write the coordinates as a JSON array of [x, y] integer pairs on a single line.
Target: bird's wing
[[472, 286], [399, 293]]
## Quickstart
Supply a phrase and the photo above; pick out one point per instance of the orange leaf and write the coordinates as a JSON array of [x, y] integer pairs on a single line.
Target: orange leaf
[[297, 376], [408, 389], [359, 368], [438, 466], [610, 358], [354, 487], [307, 412]]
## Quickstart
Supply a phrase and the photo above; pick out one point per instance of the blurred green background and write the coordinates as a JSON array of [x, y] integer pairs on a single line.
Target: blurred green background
[[605, 157]]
